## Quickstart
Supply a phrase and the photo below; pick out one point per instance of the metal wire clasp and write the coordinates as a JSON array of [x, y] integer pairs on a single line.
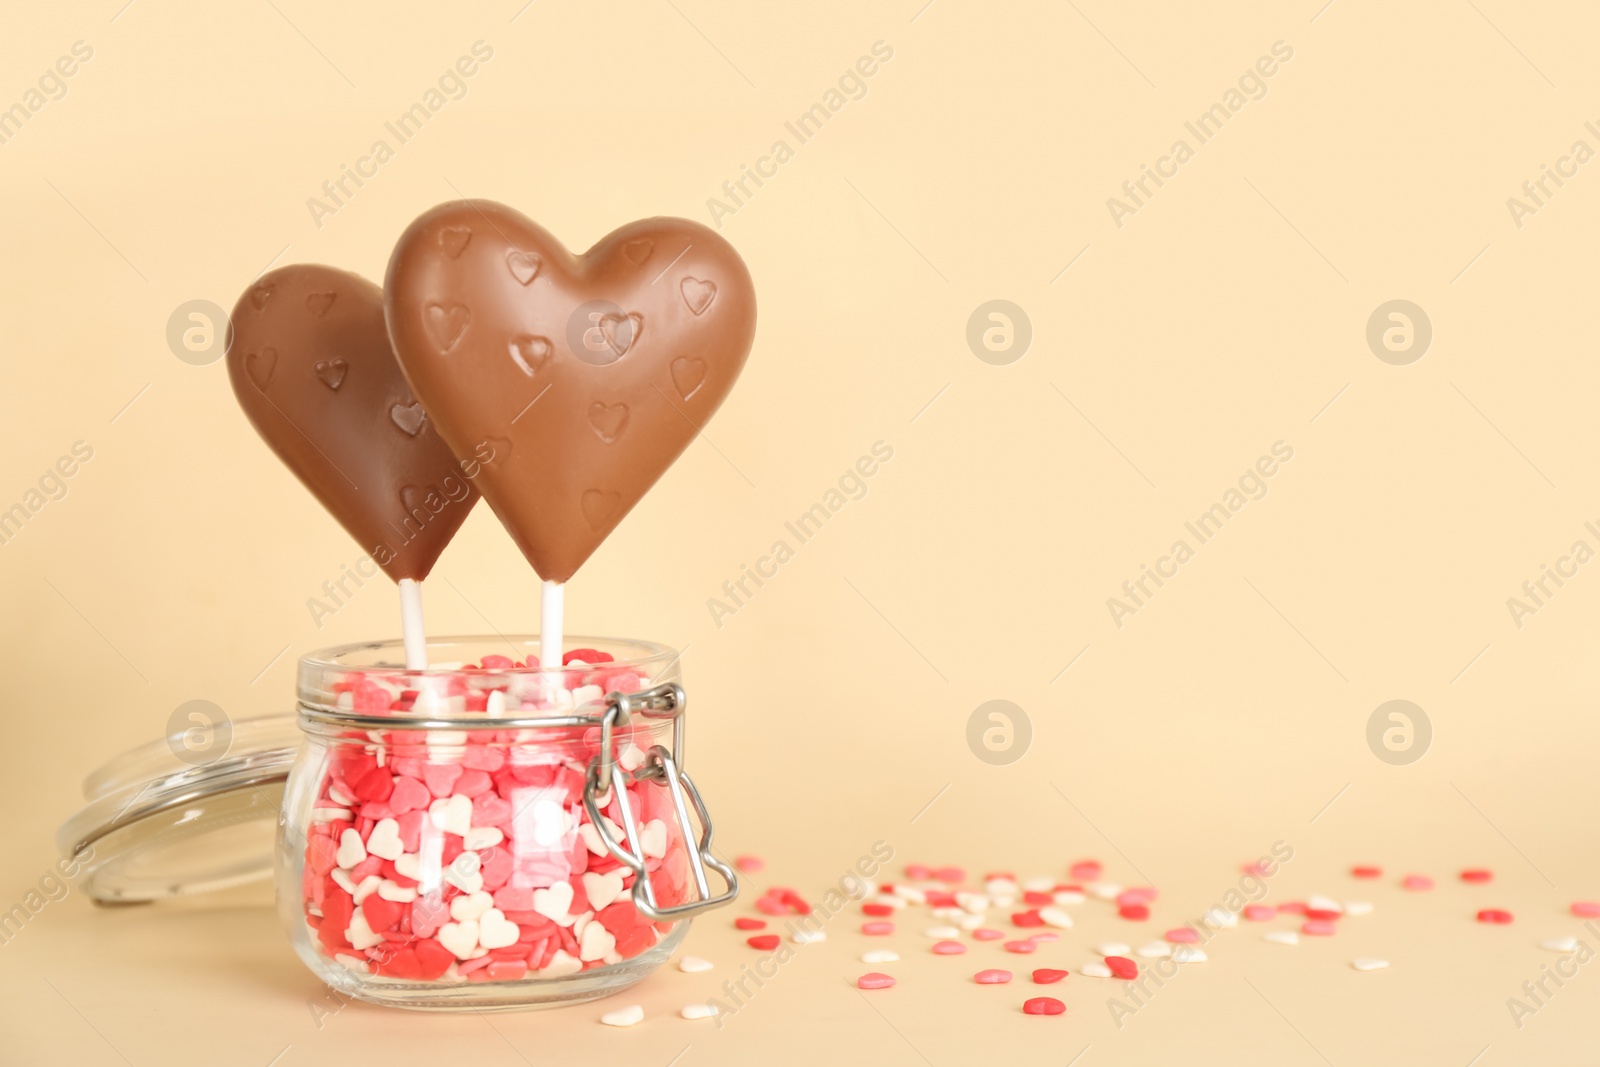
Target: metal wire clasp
[[606, 774]]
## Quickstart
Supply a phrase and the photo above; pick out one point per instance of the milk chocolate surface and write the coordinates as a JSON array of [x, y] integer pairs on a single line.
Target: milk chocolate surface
[[310, 362], [571, 382]]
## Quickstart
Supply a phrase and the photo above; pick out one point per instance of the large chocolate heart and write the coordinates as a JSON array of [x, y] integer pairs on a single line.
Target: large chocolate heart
[[311, 365], [583, 376]]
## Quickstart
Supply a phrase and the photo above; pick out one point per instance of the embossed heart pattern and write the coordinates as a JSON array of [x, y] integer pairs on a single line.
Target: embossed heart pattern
[[311, 365], [574, 381]]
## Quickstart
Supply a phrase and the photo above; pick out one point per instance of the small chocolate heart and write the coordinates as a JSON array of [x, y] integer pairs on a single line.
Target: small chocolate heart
[[314, 372], [637, 341], [332, 372], [409, 417]]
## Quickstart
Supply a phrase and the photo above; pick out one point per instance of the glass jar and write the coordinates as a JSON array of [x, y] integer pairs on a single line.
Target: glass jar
[[481, 834]]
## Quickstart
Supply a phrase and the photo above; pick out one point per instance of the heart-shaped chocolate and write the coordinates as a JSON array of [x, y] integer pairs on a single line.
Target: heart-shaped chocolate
[[583, 377], [311, 365]]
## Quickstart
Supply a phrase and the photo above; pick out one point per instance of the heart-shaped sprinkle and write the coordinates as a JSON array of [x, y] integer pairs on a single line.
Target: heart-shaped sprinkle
[[428, 914], [602, 889], [482, 837], [453, 815], [362, 936], [465, 872], [319, 303], [553, 902], [351, 850], [259, 296], [561, 965], [596, 944], [653, 839], [638, 251], [496, 931], [409, 417], [698, 294], [460, 938], [409, 795], [331, 371], [391, 890], [384, 841], [524, 265], [471, 906], [632, 1015]]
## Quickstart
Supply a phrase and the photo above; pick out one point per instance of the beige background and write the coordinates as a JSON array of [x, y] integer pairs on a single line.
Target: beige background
[[1227, 314]]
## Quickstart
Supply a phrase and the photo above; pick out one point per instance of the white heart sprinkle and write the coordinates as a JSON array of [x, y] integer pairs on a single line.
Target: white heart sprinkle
[[351, 850], [1095, 970], [553, 903], [342, 879], [460, 938], [587, 694], [1221, 917], [591, 836], [390, 890], [1367, 963], [911, 893], [1189, 954], [602, 889], [972, 903], [1560, 944], [632, 1015], [1155, 950], [1321, 903], [1056, 917], [1105, 890], [653, 839], [466, 873], [470, 906], [360, 935], [497, 931], [340, 795], [1067, 896], [481, 837], [890, 900], [1281, 937], [809, 937], [410, 865], [384, 841], [879, 955], [1357, 907], [698, 1011], [941, 933], [1112, 948], [331, 815], [369, 885], [596, 943], [561, 965], [453, 815], [970, 922], [496, 704], [694, 965], [1000, 887]]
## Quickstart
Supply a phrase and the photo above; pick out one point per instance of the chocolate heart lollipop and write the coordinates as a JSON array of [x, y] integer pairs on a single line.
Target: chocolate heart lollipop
[[311, 365], [583, 377]]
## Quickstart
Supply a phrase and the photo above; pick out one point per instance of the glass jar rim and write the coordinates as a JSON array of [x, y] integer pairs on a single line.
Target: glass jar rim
[[325, 673]]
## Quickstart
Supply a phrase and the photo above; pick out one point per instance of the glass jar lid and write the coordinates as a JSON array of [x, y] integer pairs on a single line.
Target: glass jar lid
[[192, 812]]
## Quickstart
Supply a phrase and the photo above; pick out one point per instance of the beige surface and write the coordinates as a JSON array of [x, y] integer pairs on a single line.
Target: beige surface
[[1227, 314]]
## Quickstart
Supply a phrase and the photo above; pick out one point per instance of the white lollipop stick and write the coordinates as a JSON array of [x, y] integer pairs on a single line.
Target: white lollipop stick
[[416, 640], [552, 602]]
